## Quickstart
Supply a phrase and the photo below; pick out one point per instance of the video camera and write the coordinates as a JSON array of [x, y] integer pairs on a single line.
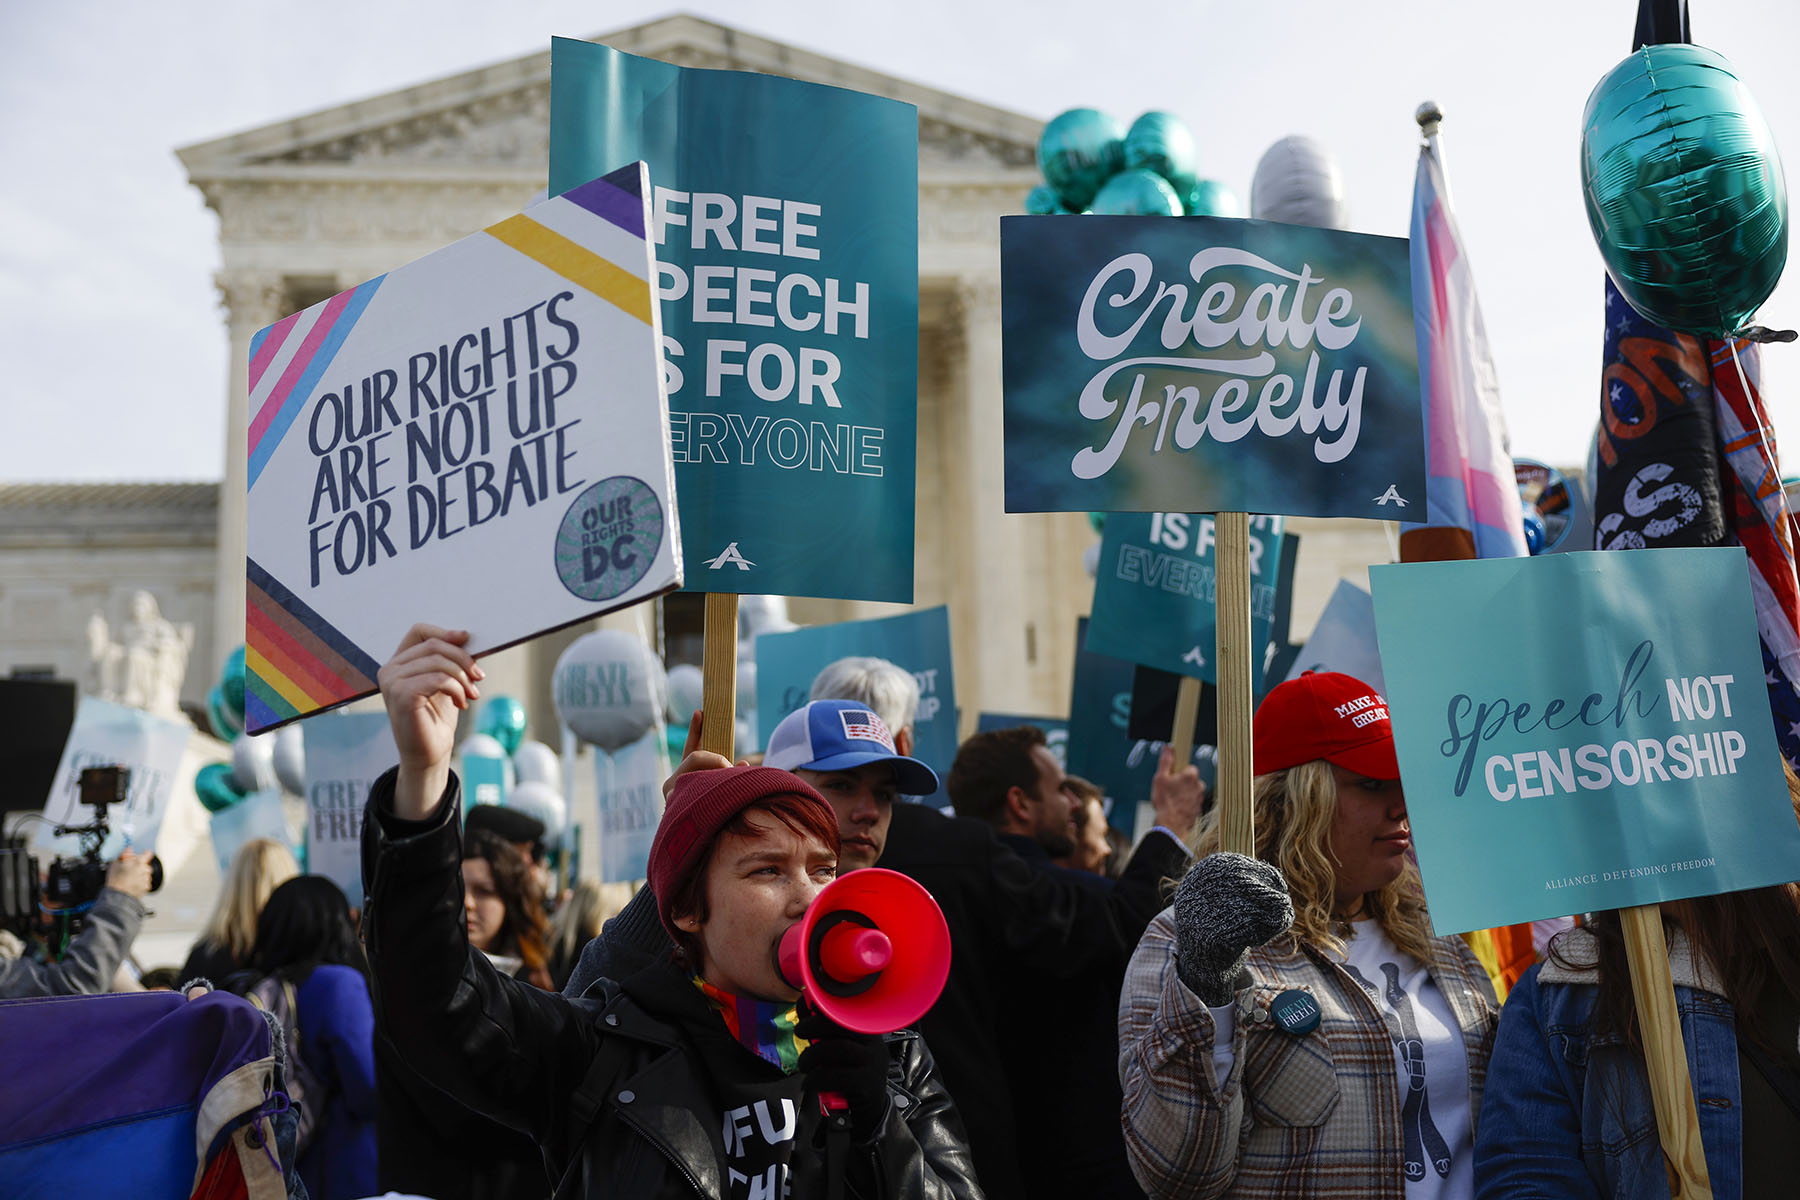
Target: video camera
[[73, 881]]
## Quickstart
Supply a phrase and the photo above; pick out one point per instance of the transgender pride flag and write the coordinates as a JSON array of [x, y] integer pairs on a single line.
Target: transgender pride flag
[[1471, 501]]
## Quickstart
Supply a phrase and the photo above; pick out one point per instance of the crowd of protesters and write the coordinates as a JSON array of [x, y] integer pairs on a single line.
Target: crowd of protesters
[[1119, 1019]]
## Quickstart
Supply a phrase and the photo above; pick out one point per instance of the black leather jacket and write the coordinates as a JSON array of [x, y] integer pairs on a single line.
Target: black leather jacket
[[616, 1094]]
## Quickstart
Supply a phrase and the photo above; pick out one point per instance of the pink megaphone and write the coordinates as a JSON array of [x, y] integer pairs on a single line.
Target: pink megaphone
[[872, 952]]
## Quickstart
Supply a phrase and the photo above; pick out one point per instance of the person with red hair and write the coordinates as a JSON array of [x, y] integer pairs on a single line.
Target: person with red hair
[[700, 1074]]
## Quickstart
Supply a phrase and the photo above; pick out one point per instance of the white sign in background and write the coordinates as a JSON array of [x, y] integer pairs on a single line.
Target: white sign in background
[[104, 735], [345, 753]]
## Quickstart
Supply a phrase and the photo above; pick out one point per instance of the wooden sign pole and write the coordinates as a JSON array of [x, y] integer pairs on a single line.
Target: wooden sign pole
[[1665, 1057], [718, 674], [1181, 735], [1231, 564]]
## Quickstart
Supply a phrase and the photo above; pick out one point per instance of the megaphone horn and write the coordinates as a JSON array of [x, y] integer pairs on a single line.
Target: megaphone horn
[[872, 952]]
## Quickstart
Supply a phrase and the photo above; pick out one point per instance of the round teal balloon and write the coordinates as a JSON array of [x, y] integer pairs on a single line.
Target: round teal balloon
[[1041, 201], [225, 725], [1684, 189], [1210, 198], [1137, 193], [231, 680], [1078, 151], [503, 719], [1162, 142], [216, 787]]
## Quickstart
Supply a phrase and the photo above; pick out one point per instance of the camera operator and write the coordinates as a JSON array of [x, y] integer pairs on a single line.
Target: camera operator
[[94, 955]]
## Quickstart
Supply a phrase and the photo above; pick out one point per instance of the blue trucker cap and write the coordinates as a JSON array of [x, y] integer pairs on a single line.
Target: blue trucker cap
[[841, 735]]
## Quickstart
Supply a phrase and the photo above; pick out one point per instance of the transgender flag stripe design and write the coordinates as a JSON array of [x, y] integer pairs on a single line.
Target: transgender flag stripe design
[[1470, 481], [276, 397]]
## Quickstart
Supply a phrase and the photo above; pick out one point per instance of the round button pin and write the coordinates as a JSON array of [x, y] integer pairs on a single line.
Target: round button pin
[[1295, 1011]]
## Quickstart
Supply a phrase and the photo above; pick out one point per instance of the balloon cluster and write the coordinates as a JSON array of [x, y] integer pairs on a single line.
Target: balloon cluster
[[1092, 163], [1684, 189], [532, 770], [257, 763]]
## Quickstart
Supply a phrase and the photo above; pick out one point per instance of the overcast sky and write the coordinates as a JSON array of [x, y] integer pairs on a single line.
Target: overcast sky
[[115, 343]]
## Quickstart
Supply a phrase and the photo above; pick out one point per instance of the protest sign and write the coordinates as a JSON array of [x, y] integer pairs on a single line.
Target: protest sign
[[629, 787], [480, 434], [1198, 364], [345, 753], [1343, 639], [1056, 731], [1617, 752], [1154, 591], [786, 225], [1101, 748], [108, 735], [260, 815], [786, 664]]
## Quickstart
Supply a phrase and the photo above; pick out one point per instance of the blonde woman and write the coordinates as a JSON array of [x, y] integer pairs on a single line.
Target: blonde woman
[[1298, 1032], [257, 869]]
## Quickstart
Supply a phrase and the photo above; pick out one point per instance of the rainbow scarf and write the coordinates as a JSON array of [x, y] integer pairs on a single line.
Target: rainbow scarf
[[763, 1027]]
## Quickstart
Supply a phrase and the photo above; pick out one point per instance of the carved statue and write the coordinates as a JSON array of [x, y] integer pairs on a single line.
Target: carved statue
[[146, 666]]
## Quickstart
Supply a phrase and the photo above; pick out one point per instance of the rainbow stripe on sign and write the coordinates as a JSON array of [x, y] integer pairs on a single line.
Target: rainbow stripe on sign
[[296, 662], [287, 361]]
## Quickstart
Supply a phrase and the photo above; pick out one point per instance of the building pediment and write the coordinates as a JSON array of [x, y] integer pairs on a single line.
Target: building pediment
[[497, 118]]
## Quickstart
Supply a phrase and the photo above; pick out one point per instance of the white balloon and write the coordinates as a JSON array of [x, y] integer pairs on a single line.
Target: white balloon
[[685, 685], [1090, 560], [745, 734], [253, 763], [1298, 181], [609, 688], [290, 758], [535, 762], [482, 745], [538, 799]]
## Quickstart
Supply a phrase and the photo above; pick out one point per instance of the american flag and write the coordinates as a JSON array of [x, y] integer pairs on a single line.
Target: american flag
[[868, 726]]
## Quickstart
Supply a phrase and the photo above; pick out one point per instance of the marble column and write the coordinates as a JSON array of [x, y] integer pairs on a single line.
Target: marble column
[[252, 300]]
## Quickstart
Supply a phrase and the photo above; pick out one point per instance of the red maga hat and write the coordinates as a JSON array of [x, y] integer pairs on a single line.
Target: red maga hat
[[1324, 714]]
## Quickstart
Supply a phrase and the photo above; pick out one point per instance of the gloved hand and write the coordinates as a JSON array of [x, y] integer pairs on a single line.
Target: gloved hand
[[1225, 905], [853, 1065]]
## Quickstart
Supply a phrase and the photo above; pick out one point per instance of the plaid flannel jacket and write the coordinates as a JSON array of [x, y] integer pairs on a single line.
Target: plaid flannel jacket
[[1314, 1116]]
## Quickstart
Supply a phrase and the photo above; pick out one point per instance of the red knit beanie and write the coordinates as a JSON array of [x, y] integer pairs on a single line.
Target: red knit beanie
[[700, 804]]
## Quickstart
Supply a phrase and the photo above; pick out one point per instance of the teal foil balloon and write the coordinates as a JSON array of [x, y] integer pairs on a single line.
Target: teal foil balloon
[[1137, 193], [1210, 198], [216, 788], [503, 719], [231, 680], [1041, 201], [1078, 151], [1162, 142], [225, 726], [1684, 189]]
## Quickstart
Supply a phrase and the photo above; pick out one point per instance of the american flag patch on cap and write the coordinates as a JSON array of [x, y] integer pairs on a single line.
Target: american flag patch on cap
[[861, 723]]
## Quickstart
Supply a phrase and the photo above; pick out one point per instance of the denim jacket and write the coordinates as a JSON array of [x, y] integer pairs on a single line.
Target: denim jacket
[[1568, 1112]]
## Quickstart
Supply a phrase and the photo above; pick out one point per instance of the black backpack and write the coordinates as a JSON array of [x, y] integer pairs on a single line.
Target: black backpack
[[306, 1091]]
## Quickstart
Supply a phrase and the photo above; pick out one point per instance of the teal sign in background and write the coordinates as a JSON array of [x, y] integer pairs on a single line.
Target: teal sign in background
[[1582, 731], [787, 230], [1197, 364], [1101, 748], [1154, 597], [787, 663]]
